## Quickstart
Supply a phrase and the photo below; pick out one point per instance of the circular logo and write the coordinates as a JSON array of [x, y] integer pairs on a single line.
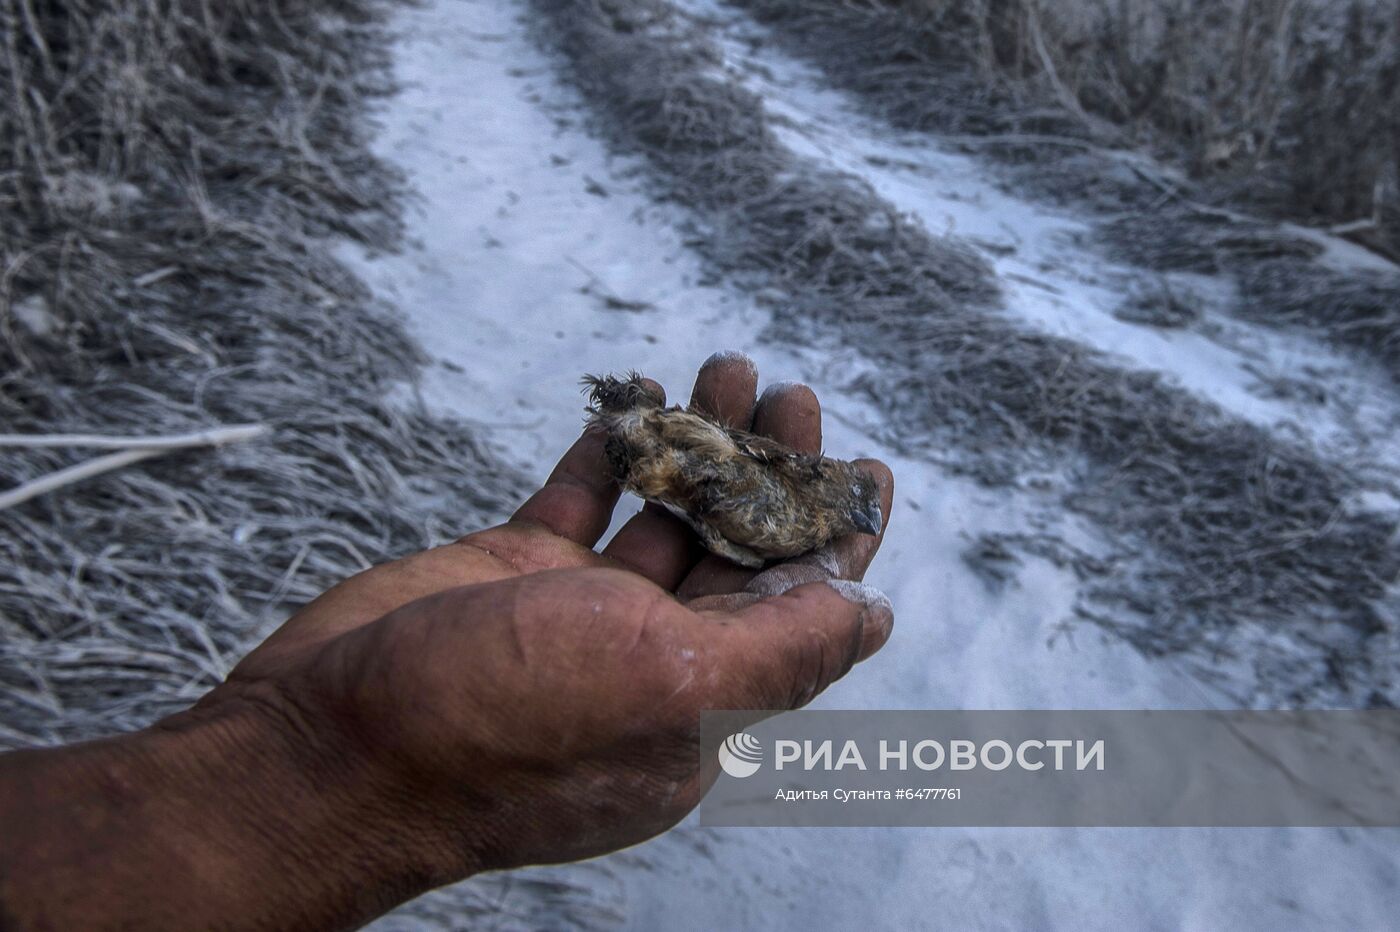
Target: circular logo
[[741, 755]]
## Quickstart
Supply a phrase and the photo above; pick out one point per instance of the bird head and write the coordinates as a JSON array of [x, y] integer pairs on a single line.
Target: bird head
[[858, 498]]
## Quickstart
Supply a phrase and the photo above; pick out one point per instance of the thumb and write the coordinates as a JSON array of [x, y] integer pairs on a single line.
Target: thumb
[[780, 652]]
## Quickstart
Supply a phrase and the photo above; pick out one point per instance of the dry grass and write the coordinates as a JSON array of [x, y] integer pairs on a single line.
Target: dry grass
[[1292, 105], [172, 169]]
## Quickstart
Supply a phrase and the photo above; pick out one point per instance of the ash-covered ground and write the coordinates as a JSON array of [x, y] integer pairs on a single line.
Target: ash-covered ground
[[1143, 445]]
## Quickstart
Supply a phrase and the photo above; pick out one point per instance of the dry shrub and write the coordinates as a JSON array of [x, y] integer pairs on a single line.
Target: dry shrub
[[1290, 105]]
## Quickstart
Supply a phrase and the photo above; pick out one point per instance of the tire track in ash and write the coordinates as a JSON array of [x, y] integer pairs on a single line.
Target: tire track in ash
[[1234, 543]]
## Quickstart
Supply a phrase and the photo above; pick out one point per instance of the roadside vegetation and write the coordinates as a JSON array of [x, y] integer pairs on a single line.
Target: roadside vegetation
[[1292, 106], [173, 176]]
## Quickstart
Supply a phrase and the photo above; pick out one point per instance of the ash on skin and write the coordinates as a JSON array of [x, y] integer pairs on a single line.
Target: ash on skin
[[750, 498]]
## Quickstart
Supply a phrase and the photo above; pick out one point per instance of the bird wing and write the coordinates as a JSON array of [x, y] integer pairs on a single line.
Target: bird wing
[[767, 450], [761, 448], [698, 432]]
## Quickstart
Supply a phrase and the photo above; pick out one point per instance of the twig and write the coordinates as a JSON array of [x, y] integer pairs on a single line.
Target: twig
[[137, 449], [150, 278], [1066, 97], [213, 436], [599, 289], [81, 471], [1354, 226]]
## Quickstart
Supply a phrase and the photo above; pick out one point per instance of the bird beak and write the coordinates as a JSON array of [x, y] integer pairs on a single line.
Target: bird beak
[[867, 518]]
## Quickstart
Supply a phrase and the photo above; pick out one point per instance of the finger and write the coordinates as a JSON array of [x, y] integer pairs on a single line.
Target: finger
[[790, 413], [654, 542], [725, 388], [780, 652]]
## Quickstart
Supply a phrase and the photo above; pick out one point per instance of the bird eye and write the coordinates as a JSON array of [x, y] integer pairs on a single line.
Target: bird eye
[[855, 489]]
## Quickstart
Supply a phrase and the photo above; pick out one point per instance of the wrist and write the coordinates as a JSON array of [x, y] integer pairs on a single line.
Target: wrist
[[309, 817], [232, 814]]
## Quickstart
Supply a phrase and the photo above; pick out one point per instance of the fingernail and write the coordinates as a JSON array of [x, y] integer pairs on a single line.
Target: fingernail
[[780, 390], [734, 357], [861, 593]]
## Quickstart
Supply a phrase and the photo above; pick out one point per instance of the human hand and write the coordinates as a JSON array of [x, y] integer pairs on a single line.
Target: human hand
[[516, 697], [558, 526]]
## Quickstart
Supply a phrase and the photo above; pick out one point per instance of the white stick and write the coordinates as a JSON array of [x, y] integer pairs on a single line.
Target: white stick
[[54, 480], [140, 448], [1355, 226], [213, 436]]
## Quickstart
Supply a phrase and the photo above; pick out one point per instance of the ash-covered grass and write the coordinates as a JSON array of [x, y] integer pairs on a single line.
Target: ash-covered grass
[[1288, 107], [925, 66], [1361, 306], [172, 170], [1185, 241], [1277, 283], [1220, 523]]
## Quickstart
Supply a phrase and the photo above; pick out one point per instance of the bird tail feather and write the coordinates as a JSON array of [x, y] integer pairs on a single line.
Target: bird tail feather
[[608, 394]]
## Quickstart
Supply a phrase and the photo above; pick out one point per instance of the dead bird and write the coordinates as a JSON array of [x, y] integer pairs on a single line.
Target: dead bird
[[749, 498]]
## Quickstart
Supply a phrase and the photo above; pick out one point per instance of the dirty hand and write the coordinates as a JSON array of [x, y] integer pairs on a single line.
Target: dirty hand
[[512, 698]]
